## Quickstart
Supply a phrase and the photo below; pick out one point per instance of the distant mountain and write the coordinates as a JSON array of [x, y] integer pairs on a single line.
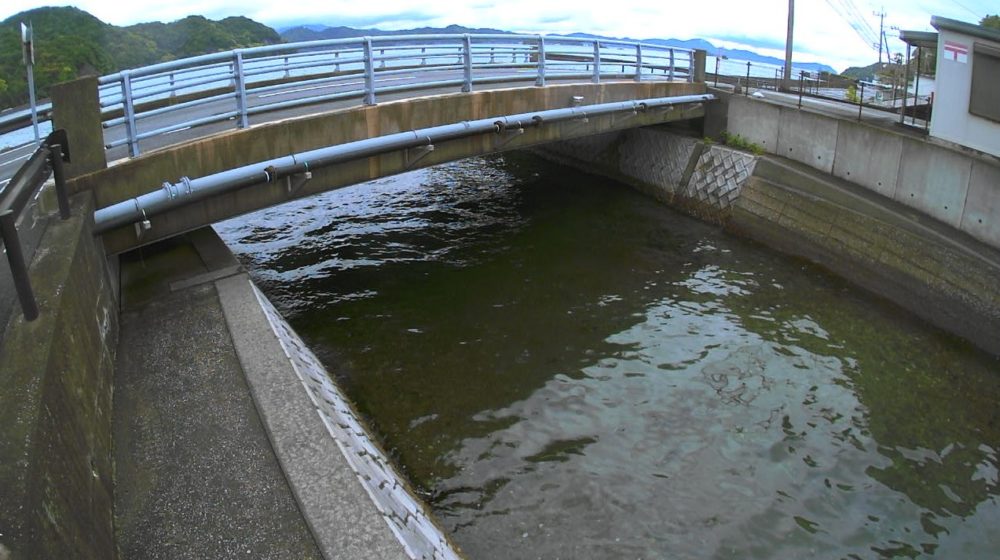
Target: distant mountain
[[313, 32], [316, 33], [70, 42]]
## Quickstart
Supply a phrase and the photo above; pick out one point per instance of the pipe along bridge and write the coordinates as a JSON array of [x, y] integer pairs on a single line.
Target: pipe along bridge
[[293, 171], [236, 173]]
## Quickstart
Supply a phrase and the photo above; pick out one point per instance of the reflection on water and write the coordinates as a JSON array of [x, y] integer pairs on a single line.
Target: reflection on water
[[571, 370]]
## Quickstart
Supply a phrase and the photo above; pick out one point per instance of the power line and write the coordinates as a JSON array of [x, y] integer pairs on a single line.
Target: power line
[[849, 13]]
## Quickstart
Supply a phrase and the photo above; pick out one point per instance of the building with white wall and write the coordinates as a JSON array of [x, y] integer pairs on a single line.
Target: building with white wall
[[967, 97]]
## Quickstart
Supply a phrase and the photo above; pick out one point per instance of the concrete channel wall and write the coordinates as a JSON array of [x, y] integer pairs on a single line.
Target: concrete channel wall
[[960, 188], [56, 372], [930, 268]]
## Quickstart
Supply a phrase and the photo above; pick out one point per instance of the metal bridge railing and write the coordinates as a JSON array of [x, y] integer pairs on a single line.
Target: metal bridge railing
[[47, 160], [234, 86]]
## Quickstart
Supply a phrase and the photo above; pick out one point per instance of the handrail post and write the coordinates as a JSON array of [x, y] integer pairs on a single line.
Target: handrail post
[[18, 269], [802, 77], [597, 63], [638, 62], [540, 80], [369, 73], [467, 62], [746, 86], [861, 100], [55, 158], [129, 108], [690, 64], [241, 89]]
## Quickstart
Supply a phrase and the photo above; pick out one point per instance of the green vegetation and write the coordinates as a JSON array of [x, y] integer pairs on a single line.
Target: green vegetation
[[991, 21], [741, 143], [852, 94], [70, 42]]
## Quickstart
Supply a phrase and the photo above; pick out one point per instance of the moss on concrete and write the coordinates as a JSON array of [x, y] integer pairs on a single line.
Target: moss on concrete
[[56, 468]]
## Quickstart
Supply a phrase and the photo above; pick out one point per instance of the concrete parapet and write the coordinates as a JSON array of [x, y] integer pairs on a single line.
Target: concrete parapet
[[56, 474], [981, 214], [934, 181], [755, 121], [868, 156], [76, 107], [807, 138]]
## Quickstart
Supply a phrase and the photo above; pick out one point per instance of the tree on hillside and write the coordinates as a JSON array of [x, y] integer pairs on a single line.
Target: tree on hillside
[[70, 42], [991, 21]]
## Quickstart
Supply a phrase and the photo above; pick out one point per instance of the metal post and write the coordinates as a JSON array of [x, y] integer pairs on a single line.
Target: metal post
[[369, 73], [916, 87], [861, 100], [286, 68], [55, 158], [746, 86], [18, 269], [638, 62], [540, 80], [129, 108], [241, 89], [467, 60], [716, 70], [690, 70], [802, 76], [597, 63]]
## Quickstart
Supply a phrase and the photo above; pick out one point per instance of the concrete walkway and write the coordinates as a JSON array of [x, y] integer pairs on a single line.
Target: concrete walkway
[[196, 474]]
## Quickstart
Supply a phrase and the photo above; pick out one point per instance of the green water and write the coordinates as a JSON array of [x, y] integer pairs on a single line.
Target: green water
[[567, 369]]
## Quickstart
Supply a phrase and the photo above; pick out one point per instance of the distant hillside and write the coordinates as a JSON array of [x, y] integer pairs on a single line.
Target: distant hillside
[[70, 42], [316, 32], [866, 73]]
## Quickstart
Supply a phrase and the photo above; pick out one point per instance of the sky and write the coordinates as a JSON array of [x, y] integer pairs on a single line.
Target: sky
[[822, 31]]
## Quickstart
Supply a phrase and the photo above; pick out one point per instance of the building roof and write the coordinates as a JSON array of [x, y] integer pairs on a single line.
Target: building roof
[[978, 31], [923, 39]]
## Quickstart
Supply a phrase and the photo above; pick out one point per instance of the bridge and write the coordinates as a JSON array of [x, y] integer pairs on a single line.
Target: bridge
[[195, 141]]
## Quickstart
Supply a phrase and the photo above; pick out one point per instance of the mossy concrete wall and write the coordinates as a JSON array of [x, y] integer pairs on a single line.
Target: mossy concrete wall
[[56, 470], [944, 277], [959, 187], [237, 148], [933, 269]]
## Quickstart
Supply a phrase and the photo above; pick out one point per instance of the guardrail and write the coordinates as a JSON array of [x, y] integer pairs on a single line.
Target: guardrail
[[47, 160], [237, 85], [297, 168], [896, 99]]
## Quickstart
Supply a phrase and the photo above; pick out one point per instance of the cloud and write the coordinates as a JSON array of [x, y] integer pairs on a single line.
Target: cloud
[[820, 33]]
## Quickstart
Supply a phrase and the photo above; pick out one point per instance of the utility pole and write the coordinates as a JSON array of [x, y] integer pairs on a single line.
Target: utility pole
[[787, 78], [881, 35]]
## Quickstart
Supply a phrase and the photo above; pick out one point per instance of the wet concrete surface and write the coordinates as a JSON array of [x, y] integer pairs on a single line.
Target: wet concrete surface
[[196, 476]]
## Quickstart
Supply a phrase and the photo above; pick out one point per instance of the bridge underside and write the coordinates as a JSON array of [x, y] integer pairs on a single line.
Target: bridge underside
[[225, 151]]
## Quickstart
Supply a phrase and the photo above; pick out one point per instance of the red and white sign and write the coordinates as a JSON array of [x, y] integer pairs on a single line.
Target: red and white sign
[[956, 52]]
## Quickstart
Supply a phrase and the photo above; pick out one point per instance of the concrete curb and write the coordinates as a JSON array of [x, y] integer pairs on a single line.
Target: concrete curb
[[337, 509]]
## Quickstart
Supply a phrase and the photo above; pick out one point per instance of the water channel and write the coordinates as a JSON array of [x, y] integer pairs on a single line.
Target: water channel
[[565, 368]]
